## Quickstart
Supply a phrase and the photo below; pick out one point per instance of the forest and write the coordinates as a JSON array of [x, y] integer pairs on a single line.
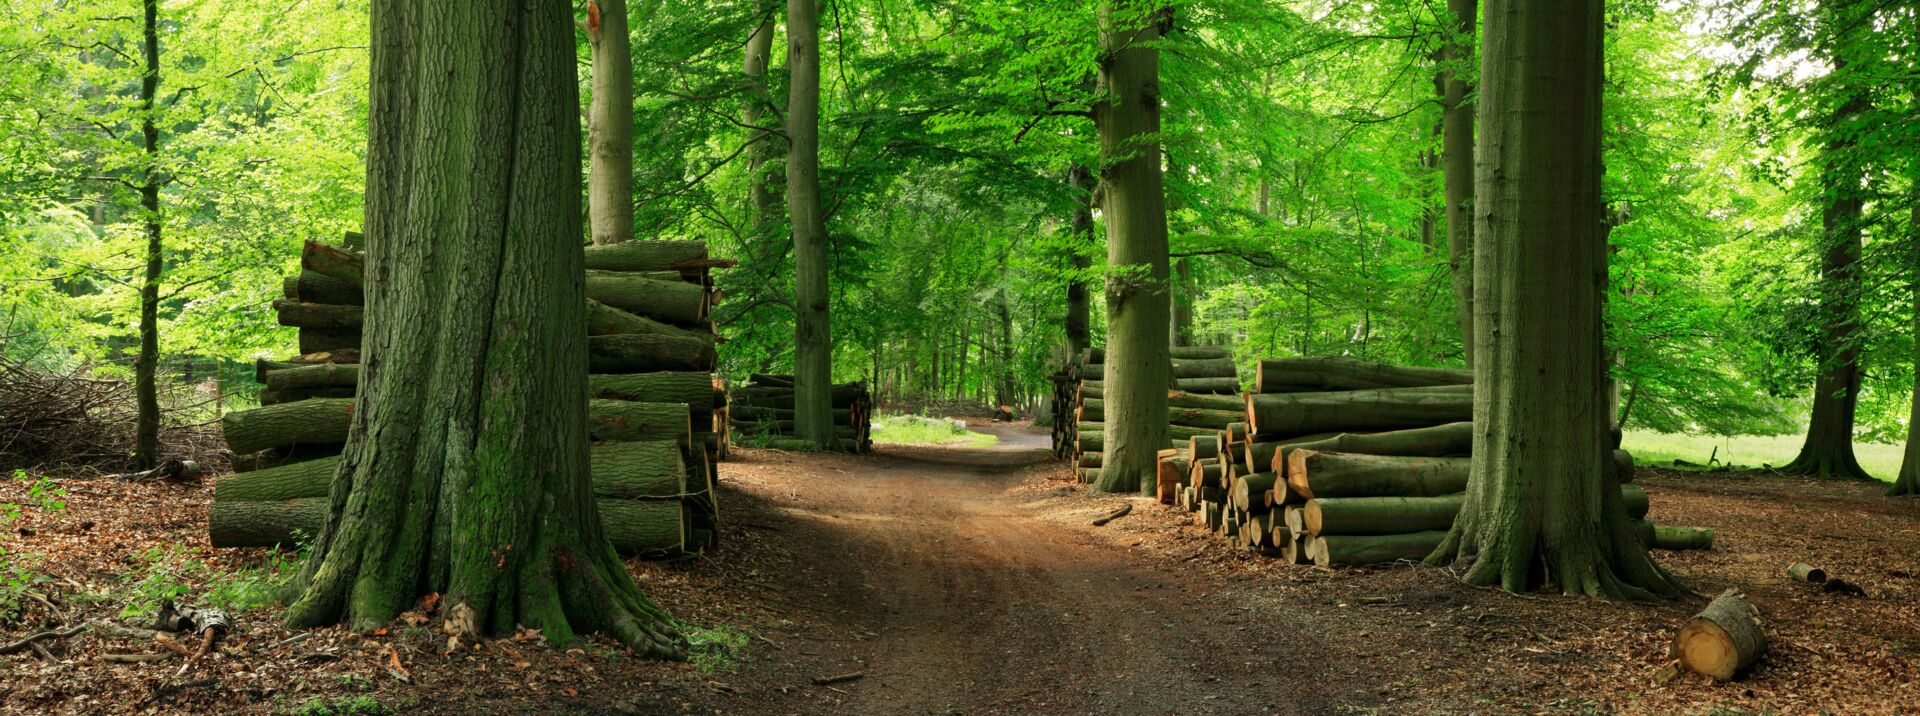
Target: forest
[[351, 348]]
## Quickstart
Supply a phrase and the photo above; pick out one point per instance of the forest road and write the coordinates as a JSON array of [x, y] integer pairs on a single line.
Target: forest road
[[962, 598]]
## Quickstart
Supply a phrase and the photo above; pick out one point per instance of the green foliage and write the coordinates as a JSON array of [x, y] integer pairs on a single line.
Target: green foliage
[[922, 430], [180, 573], [715, 649], [19, 572], [356, 705]]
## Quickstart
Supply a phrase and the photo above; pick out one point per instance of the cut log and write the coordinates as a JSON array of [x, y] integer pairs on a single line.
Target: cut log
[[633, 470], [314, 375], [1293, 548], [1205, 401], [1248, 493], [647, 354], [1260, 455], [605, 320], [1089, 459], [1219, 386], [1362, 550], [1316, 475], [317, 421], [316, 287], [1673, 538], [745, 413], [1203, 368], [1448, 440], [1358, 410], [276, 457], [1209, 473], [332, 262], [1803, 572], [311, 478], [288, 395], [1724, 640], [671, 301], [299, 314], [693, 388], [1178, 433], [1203, 447], [648, 256], [626, 421], [1201, 418], [1321, 374], [1197, 352], [324, 340], [1378, 515]]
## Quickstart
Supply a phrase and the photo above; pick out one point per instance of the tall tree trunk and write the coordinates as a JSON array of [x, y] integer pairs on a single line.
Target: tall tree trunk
[[1007, 383], [1183, 295], [1456, 147], [1828, 450], [1137, 292], [1079, 304], [465, 469], [1543, 501], [966, 345], [763, 198], [610, 124], [1908, 482], [146, 435], [812, 331]]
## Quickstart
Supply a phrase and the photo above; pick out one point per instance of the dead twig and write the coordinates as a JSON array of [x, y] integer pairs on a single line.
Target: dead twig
[[841, 679], [29, 641], [1117, 514]]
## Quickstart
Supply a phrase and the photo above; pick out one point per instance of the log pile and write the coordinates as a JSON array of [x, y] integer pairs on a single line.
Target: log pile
[[1200, 400], [1336, 462], [762, 411], [656, 413]]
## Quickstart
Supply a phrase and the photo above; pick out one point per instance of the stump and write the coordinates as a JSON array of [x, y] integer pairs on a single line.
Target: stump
[[1724, 640]]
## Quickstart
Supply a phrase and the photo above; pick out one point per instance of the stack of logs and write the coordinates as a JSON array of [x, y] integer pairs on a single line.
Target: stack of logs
[[763, 408], [656, 412], [1199, 402], [1339, 462]]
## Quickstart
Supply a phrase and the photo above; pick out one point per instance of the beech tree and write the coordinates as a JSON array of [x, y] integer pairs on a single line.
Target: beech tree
[[1542, 501], [146, 433], [610, 124], [812, 329], [1137, 288], [1908, 481], [465, 470], [1456, 162]]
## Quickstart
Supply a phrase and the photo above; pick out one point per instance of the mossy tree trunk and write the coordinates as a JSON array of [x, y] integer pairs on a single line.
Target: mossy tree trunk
[[763, 197], [1456, 147], [1079, 304], [610, 124], [1542, 505], [146, 427], [1828, 450], [465, 471], [812, 329], [1138, 314], [1908, 482]]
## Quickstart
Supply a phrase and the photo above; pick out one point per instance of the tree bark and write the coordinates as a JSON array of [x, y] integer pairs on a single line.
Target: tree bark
[[1456, 128], [812, 328], [1182, 299], [763, 198], [1080, 245], [645, 353], [694, 389], [465, 469], [610, 124], [1908, 481], [1007, 385], [146, 430], [1542, 506]]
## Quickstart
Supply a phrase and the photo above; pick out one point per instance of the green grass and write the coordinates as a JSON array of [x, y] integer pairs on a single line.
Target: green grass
[[918, 430], [1648, 448], [714, 649]]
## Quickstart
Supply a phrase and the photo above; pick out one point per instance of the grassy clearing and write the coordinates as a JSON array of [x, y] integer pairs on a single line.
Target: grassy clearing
[[920, 430], [1882, 461]]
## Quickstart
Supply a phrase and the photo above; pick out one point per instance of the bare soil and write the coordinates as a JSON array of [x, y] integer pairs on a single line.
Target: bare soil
[[970, 581]]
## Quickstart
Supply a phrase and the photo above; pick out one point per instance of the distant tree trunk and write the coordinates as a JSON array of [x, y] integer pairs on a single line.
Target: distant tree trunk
[[1079, 305], [960, 367], [1135, 209], [763, 199], [146, 434], [465, 469], [1908, 483], [610, 123], [1183, 304], [1542, 501], [1007, 383], [812, 329], [1828, 450], [1456, 142]]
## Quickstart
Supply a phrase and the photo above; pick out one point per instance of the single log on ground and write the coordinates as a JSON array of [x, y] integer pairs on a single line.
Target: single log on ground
[[314, 375], [1221, 386], [1361, 550], [673, 301], [647, 256], [333, 262], [1203, 368], [647, 353], [1673, 538], [1248, 493], [1803, 572], [288, 395], [1285, 374], [621, 420], [1318, 475], [693, 388], [316, 287], [317, 421], [633, 526], [1724, 640], [1358, 410], [1197, 352], [326, 340]]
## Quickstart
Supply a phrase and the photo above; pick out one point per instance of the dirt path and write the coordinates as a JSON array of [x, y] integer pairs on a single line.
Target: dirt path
[[958, 596]]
